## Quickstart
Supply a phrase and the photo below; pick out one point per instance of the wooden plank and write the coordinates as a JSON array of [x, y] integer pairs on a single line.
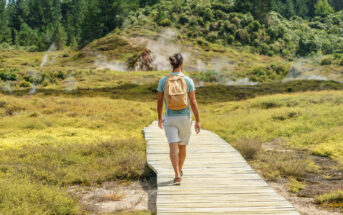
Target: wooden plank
[[217, 179]]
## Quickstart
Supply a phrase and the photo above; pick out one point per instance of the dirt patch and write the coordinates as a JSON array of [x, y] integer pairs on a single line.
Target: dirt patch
[[275, 145], [304, 205], [326, 177], [330, 178], [115, 196]]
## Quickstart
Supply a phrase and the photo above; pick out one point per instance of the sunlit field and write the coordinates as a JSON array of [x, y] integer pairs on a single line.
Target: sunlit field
[[50, 143], [310, 120]]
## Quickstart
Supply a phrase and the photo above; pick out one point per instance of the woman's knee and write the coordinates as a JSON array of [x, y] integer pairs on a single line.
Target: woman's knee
[[182, 147]]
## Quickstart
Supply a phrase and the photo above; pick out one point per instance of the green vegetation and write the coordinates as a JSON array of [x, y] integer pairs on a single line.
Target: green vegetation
[[323, 8], [249, 148], [266, 32], [332, 199], [286, 28], [22, 196], [300, 120], [50, 143], [295, 186]]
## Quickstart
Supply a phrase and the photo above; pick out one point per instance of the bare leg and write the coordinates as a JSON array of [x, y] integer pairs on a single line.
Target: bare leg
[[175, 158], [182, 156]]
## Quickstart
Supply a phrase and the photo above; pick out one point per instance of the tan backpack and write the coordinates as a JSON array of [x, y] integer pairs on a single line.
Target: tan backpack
[[175, 91]]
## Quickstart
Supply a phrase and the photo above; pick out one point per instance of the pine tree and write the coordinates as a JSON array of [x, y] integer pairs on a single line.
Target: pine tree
[[323, 8], [59, 36], [336, 4], [72, 16], [290, 8], [92, 27], [5, 33], [301, 8], [17, 13]]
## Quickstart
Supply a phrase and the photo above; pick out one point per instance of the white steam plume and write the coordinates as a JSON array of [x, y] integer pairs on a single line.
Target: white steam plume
[[241, 81], [5, 86], [101, 62], [46, 55], [164, 47], [33, 89], [71, 83], [301, 69]]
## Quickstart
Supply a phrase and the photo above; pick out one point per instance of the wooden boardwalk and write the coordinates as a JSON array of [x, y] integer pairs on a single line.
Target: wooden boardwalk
[[216, 180]]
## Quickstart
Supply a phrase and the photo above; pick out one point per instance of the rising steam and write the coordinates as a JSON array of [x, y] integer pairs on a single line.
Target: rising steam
[[301, 69], [241, 81], [46, 55], [5, 86], [101, 62], [71, 83], [163, 47]]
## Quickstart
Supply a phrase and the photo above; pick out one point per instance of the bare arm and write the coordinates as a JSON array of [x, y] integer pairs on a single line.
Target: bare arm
[[159, 108], [194, 106]]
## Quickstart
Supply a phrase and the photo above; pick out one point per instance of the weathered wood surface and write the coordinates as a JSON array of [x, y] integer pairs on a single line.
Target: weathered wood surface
[[216, 180]]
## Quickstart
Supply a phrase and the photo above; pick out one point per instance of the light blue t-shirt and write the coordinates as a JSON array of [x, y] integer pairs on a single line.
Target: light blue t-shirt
[[190, 87]]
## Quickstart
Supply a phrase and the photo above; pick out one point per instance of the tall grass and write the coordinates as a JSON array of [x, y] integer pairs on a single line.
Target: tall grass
[[332, 199], [20, 196], [309, 120], [50, 143]]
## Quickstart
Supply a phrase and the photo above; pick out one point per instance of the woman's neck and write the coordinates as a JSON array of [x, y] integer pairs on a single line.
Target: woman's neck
[[177, 70]]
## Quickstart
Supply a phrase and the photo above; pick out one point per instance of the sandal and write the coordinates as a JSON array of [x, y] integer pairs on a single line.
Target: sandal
[[177, 182], [181, 173]]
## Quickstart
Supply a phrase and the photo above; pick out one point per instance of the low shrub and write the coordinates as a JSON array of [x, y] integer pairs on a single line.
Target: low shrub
[[77, 164], [24, 84], [285, 115], [341, 63], [165, 22], [22, 196], [248, 147], [294, 185], [277, 164], [333, 199], [208, 76], [326, 61], [9, 75]]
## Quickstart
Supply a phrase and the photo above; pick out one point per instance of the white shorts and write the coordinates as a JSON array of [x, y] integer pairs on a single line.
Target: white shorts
[[178, 129]]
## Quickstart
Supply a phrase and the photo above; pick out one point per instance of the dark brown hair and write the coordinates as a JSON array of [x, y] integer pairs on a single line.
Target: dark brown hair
[[176, 60]]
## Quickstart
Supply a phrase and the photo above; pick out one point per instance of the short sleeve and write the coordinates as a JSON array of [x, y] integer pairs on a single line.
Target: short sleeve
[[160, 87], [191, 86]]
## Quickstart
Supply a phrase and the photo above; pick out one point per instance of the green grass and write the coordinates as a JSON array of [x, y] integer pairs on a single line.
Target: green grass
[[54, 141], [50, 143], [69, 120], [295, 186], [23, 196], [303, 121], [332, 199]]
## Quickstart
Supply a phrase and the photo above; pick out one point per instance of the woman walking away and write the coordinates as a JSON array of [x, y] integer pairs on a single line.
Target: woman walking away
[[178, 92]]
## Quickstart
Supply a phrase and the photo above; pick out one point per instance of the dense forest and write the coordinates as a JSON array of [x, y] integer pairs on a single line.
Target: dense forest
[[285, 27]]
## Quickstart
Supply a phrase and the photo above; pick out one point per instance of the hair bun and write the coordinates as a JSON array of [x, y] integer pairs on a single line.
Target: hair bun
[[176, 60], [172, 59]]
